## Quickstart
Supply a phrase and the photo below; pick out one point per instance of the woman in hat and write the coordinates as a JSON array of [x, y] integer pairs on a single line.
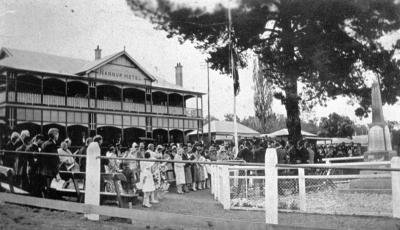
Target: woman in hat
[[147, 181], [179, 169]]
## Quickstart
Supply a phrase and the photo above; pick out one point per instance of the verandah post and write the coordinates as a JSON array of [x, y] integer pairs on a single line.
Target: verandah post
[[395, 163], [271, 187]]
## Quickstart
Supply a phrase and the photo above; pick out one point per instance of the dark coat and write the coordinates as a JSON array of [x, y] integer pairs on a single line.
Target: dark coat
[[31, 162], [48, 165], [21, 164], [246, 155], [82, 160], [260, 155], [10, 158]]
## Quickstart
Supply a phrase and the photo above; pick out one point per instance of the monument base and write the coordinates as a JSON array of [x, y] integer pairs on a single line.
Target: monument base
[[383, 155], [374, 185]]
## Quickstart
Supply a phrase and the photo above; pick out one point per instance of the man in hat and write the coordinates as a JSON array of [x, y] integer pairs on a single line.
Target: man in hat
[[21, 166], [246, 154], [34, 179], [9, 158], [48, 164]]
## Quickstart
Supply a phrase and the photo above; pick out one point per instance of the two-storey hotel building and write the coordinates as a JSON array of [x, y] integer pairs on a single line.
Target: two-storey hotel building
[[113, 96]]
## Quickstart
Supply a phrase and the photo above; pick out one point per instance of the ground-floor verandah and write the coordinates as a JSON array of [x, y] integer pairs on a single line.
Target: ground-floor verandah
[[111, 134]]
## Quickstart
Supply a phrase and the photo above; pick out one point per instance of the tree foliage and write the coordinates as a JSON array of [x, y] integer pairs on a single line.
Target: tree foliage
[[324, 44], [212, 118], [336, 126], [263, 97], [273, 123], [229, 117]]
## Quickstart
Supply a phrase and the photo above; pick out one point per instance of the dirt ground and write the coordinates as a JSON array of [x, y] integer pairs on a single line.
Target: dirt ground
[[194, 203]]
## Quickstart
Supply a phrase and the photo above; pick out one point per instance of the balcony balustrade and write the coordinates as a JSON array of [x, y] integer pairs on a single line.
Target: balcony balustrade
[[133, 107], [53, 100], [28, 98], [191, 112], [112, 105], [11, 96], [2, 97], [78, 102], [160, 109], [175, 110]]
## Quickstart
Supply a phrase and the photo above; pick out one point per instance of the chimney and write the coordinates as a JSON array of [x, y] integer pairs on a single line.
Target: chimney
[[178, 74], [97, 53]]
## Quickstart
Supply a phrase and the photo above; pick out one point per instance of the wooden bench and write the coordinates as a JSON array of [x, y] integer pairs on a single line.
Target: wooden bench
[[79, 192], [8, 174]]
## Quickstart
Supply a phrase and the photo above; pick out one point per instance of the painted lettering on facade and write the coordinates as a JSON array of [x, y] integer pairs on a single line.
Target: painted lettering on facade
[[121, 73]]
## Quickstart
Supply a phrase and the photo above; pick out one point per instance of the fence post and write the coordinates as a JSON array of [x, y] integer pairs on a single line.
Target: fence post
[[217, 194], [395, 163], [92, 179], [271, 187], [212, 189], [226, 195], [302, 190]]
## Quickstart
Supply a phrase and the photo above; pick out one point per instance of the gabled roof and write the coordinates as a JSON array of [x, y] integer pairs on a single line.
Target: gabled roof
[[99, 63], [226, 127], [40, 62], [162, 83], [53, 64], [285, 132]]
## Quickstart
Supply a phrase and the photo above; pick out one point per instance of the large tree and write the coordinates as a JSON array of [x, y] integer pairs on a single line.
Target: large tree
[[336, 126], [325, 45], [263, 96]]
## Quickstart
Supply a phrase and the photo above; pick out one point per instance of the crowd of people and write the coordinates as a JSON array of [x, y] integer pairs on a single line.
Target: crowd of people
[[35, 172]]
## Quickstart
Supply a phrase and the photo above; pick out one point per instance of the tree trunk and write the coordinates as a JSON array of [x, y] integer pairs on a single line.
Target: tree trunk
[[291, 71], [293, 114]]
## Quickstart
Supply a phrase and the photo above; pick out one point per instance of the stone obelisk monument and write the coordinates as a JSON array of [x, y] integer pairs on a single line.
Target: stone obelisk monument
[[379, 147], [379, 142]]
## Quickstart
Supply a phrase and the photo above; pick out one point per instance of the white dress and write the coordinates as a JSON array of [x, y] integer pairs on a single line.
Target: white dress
[[179, 169], [148, 184]]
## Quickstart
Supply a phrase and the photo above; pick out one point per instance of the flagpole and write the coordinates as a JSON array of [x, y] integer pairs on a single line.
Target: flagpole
[[208, 106], [234, 91]]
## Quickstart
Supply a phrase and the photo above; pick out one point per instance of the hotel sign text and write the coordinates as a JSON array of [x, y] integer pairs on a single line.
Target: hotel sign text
[[121, 73]]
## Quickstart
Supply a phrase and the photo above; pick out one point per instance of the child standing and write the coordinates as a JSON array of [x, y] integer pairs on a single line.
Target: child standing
[[146, 178]]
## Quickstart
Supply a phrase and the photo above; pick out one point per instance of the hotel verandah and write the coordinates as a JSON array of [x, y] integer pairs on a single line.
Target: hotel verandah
[[112, 96]]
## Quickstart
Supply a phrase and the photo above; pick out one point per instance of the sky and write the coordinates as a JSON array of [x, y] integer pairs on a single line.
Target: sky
[[74, 28]]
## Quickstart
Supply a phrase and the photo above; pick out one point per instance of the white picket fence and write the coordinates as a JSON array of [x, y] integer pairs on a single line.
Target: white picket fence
[[305, 190]]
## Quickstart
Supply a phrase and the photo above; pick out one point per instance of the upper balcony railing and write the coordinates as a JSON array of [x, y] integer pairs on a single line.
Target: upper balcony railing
[[2, 97], [133, 107], [79, 102], [160, 109]]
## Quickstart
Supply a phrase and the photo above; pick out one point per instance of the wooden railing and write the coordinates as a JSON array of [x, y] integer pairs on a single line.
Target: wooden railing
[[11, 96], [133, 107], [191, 112], [53, 100], [175, 110], [2, 97], [79, 102], [161, 109], [148, 108], [109, 105]]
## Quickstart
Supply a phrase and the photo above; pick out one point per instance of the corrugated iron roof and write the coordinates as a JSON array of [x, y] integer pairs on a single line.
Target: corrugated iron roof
[[226, 127], [53, 64], [41, 62]]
